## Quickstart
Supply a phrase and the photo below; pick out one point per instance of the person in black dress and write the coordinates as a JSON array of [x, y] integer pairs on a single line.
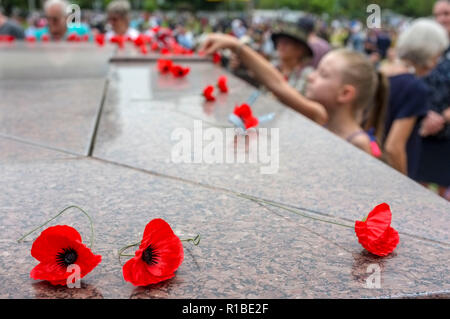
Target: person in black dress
[[434, 164], [419, 49]]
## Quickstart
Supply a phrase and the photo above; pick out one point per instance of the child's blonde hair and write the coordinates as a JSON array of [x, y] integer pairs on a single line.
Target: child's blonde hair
[[372, 90]]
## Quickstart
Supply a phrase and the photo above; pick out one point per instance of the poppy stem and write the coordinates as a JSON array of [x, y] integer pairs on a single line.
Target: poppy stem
[[274, 204], [195, 241], [121, 250], [59, 214]]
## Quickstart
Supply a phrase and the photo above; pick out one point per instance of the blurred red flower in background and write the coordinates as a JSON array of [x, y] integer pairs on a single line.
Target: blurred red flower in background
[[222, 84], [245, 113], [217, 58], [179, 71], [164, 66], [100, 39], [208, 93]]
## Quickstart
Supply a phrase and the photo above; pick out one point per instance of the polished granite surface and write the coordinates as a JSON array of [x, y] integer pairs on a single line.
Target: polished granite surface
[[39, 61], [47, 97], [249, 249]]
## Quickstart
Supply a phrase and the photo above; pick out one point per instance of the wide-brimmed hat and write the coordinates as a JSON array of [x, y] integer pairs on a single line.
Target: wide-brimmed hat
[[294, 33]]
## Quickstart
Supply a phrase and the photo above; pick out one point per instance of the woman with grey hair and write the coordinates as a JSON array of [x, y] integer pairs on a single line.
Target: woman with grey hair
[[119, 20], [419, 48]]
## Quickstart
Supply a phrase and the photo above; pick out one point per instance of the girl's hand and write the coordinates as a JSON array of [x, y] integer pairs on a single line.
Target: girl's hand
[[216, 41]]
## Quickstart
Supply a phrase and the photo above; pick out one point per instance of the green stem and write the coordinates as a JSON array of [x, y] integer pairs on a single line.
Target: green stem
[[121, 250], [195, 241], [59, 214], [274, 204]]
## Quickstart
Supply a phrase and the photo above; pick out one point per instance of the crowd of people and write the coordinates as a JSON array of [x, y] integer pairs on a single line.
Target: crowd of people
[[385, 90]]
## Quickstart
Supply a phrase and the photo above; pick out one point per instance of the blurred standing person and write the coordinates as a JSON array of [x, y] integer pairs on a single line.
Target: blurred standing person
[[383, 43], [58, 29], [184, 37], [319, 46], [434, 164], [118, 12], [356, 40], [418, 49], [371, 47], [8, 27], [238, 28]]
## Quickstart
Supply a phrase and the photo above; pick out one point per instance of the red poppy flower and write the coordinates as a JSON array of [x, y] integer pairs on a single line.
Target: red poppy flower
[[141, 40], [165, 51], [158, 257], [85, 38], [375, 233], [155, 46], [222, 84], [6, 38], [217, 58], [179, 71], [164, 66], [245, 113], [57, 248], [100, 39], [208, 93], [144, 49], [73, 37], [30, 38], [45, 38], [120, 40]]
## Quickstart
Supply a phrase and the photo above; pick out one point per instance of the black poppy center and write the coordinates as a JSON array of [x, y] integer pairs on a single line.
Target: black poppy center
[[180, 72], [150, 255], [67, 257]]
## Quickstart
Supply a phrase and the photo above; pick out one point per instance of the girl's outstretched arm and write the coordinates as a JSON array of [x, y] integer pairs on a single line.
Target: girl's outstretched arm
[[268, 75]]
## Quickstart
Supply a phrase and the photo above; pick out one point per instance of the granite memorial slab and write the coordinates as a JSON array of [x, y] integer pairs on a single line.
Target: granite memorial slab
[[58, 113], [239, 255], [51, 93]]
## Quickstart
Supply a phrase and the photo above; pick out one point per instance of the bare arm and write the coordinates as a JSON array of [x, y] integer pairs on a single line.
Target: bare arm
[[268, 75], [395, 146]]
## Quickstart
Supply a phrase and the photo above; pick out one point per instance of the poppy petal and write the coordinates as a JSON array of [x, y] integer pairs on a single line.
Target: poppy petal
[[49, 271], [155, 231], [378, 221], [136, 272], [53, 239]]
